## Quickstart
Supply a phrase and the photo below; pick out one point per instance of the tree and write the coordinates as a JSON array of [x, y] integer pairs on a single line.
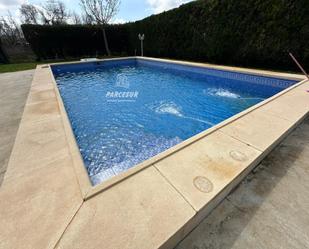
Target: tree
[[76, 18], [86, 19], [29, 14], [54, 12], [10, 36], [10, 31], [102, 12]]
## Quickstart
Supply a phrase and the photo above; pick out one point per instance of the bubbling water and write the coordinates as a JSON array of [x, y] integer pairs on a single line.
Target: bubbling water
[[223, 93]]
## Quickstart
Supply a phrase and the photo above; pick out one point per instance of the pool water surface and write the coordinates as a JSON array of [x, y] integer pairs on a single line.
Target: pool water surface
[[125, 112]]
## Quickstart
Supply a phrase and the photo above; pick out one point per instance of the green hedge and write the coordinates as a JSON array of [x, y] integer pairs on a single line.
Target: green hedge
[[3, 55], [253, 33], [67, 41]]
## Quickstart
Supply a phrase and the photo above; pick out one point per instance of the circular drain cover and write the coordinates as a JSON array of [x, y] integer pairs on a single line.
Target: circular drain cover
[[238, 156], [203, 184]]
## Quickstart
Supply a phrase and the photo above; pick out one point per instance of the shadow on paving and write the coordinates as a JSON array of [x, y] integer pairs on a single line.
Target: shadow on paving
[[269, 209]]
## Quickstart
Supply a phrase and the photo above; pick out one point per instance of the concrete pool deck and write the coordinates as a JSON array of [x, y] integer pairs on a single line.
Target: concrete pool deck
[[269, 209], [155, 207], [14, 88]]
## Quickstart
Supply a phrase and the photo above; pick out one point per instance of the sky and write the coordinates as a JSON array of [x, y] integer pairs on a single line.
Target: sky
[[130, 10]]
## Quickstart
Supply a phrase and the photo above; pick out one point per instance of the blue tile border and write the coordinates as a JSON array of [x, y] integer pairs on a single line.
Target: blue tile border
[[256, 79], [260, 80], [75, 67]]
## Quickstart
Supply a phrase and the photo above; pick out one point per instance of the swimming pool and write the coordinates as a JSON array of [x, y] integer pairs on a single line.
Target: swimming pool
[[124, 112]]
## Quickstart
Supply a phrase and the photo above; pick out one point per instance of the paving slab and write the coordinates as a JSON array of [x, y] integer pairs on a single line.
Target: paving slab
[[202, 170], [14, 88], [41, 96], [38, 145], [142, 212], [292, 105], [275, 118], [41, 111], [248, 129], [269, 209], [43, 199]]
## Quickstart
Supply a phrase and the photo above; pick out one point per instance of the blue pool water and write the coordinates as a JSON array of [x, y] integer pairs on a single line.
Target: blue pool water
[[126, 111]]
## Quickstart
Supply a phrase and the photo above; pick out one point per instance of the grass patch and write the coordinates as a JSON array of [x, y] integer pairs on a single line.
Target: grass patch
[[5, 68]]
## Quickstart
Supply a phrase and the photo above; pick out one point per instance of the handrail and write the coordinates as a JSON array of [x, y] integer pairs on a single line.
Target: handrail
[[298, 64]]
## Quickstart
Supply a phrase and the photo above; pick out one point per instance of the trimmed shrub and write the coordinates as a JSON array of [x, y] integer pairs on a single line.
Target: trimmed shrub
[[69, 41], [3, 55]]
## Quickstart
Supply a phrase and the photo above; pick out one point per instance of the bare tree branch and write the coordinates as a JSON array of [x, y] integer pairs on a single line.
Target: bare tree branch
[[76, 18], [10, 31], [86, 19], [102, 12], [29, 14], [54, 12]]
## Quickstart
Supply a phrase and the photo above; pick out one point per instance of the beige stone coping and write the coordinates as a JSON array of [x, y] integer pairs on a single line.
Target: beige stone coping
[[40, 194], [48, 201]]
